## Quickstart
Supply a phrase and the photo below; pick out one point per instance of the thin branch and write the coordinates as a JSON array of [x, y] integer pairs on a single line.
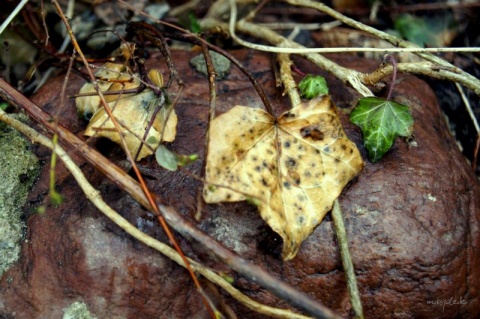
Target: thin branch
[[391, 59], [346, 75], [475, 124], [437, 68], [319, 6], [424, 68], [347, 263], [287, 79], [12, 15]]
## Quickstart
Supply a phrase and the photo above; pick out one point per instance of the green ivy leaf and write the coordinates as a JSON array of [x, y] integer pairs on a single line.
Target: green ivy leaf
[[312, 86], [381, 121], [171, 161]]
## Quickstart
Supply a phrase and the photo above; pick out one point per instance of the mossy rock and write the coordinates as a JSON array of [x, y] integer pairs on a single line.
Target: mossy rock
[[18, 170]]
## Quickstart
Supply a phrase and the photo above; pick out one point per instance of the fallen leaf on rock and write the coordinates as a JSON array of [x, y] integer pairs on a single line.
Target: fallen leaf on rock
[[132, 111], [293, 167]]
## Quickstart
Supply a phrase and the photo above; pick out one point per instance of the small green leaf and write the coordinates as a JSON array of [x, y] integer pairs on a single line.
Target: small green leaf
[[3, 106], [152, 140], [184, 160], [171, 161], [193, 24], [166, 159], [381, 121], [312, 86]]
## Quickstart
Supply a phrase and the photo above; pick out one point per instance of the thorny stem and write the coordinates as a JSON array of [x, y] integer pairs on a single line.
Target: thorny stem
[[132, 161]]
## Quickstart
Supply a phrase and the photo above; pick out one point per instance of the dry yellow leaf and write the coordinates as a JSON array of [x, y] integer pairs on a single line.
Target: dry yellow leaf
[[294, 168], [132, 111]]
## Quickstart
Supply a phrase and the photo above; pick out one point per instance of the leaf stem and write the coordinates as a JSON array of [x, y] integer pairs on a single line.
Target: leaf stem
[[391, 59], [346, 260]]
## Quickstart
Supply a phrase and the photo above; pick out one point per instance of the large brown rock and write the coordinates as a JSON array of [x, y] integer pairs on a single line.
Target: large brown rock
[[412, 219]]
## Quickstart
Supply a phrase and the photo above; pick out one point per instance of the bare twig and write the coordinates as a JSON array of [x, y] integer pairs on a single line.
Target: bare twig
[[475, 124], [12, 15], [437, 68], [391, 59], [286, 76], [346, 75], [347, 263]]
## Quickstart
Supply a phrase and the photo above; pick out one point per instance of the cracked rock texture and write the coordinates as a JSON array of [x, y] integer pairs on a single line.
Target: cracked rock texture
[[412, 220]]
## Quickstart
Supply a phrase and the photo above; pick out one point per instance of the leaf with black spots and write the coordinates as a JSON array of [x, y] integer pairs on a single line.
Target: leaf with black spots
[[294, 167]]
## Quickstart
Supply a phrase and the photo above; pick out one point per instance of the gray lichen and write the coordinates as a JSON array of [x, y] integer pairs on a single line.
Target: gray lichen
[[220, 63], [19, 168], [77, 310]]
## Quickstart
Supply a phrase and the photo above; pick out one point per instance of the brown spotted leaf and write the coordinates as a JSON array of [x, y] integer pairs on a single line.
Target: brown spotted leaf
[[294, 168]]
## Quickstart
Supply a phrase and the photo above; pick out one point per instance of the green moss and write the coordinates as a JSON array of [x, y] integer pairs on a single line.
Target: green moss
[[77, 310], [19, 168]]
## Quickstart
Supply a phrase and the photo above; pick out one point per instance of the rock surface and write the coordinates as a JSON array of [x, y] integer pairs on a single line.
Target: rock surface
[[18, 171], [412, 219]]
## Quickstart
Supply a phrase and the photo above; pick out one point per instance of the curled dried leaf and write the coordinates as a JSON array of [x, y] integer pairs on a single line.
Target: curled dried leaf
[[294, 167], [132, 111]]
